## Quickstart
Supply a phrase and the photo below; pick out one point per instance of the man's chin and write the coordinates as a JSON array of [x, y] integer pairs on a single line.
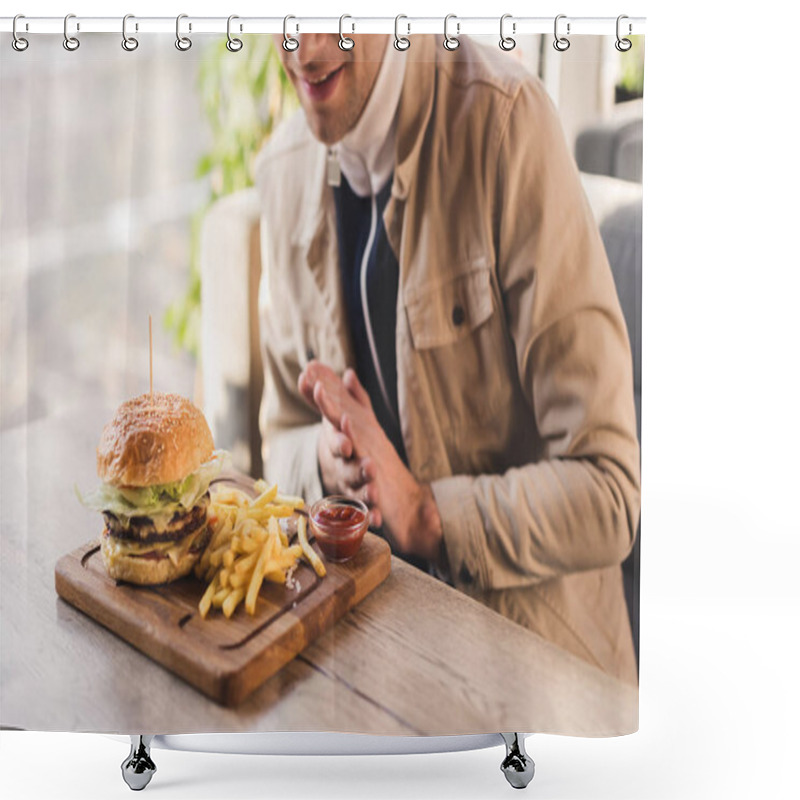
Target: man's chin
[[328, 129]]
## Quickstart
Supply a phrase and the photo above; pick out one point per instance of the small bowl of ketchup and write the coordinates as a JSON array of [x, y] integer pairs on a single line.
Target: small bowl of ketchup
[[339, 523]]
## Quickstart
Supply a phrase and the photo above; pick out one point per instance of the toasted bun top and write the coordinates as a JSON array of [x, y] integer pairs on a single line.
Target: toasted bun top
[[153, 438]]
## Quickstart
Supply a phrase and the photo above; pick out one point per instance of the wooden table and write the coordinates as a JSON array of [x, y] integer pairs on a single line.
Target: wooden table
[[416, 657]]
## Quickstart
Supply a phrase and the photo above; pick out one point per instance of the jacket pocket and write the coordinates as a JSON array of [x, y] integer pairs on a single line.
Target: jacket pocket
[[441, 314], [457, 335]]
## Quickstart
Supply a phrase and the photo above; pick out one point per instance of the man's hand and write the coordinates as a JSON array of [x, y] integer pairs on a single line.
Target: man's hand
[[408, 508], [342, 472]]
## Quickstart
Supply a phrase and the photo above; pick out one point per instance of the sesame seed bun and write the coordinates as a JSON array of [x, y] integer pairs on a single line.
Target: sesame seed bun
[[152, 439]]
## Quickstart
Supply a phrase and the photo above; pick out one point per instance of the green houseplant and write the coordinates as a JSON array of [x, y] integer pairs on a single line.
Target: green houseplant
[[244, 95], [630, 85]]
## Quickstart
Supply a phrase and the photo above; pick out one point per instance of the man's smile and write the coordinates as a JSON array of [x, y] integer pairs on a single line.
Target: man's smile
[[321, 86]]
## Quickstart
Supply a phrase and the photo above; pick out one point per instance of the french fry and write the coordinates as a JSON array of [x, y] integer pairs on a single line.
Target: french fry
[[244, 564], [275, 576], [262, 513], [290, 500], [308, 551], [248, 546], [287, 559], [237, 580], [205, 600], [216, 557], [220, 596], [231, 497], [267, 496], [221, 533], [255, 582], [295, 551], [231, 601], [283, 537]]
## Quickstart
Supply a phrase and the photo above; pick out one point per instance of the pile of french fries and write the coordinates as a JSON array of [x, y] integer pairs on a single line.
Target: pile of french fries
[[248, 546]]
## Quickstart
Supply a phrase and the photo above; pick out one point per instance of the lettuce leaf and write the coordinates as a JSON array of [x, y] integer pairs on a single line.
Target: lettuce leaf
[[151, 500]]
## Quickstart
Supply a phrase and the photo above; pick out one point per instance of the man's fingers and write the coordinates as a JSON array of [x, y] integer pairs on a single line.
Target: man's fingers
[[326, 405], [353, 385], [369, 494], [352, 477], [346, 426], [305, 385], [359, 478], [342, 445], [368, 469]]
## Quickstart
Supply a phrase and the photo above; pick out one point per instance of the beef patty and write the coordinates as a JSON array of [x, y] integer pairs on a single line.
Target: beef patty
[[142, 529]]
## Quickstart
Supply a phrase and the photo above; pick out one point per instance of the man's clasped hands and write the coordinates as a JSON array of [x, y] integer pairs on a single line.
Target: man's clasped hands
[[357, 459]]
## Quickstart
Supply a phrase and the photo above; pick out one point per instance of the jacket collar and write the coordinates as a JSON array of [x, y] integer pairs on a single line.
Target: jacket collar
[[416, 104]]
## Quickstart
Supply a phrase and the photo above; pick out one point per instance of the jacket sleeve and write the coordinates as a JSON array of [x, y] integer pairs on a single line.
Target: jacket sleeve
[[289, 427], [289, 450], [575, 506]]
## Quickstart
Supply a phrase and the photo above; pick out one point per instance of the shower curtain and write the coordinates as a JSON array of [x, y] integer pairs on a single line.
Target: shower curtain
[[406, 275]]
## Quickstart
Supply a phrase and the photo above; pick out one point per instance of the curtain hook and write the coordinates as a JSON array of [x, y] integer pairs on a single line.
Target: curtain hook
[[18, 42], [183, 43], [401, 42], [623, 45], [71, 43], [561, 43], [233, 44], [451, 42], [129, 43], [345, 42], [507, 43], [290, 43]]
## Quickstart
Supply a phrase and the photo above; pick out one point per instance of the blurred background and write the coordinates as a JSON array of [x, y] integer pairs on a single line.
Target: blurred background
[[109, 162]]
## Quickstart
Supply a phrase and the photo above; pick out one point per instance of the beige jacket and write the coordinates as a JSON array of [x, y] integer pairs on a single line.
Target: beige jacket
[[515, 382]]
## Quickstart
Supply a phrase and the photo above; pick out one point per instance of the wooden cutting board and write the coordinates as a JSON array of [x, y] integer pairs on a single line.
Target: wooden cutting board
[[226, 659]]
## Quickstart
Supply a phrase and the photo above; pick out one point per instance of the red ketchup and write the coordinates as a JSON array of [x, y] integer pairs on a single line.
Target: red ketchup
[[339, 524]]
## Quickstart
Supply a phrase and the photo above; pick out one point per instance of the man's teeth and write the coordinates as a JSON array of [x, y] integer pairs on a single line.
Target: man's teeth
[[317, 81]]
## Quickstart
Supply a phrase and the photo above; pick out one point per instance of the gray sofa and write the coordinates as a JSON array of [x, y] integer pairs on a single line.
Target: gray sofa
[[610, 159]]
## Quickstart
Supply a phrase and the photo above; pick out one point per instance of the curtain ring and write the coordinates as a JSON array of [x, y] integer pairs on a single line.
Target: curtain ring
[[561, 43], [233, 44], [623, 45], [71, 43], [401, 42], [18, 42], [345, 42], [183, 43], [506, 42], [451, 42], [290, 44], [129, 43]]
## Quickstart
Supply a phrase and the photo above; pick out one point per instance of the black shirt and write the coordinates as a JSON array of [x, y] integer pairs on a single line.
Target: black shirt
[[370, 274]]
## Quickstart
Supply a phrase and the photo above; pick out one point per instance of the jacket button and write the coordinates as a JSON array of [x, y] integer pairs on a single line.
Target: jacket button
[[310, 355], [458, 315]]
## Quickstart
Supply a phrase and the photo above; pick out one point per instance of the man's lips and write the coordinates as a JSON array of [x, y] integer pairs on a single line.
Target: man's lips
[[321, 87]]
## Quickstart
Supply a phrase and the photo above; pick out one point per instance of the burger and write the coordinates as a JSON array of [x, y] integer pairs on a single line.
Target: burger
[[156, 460]]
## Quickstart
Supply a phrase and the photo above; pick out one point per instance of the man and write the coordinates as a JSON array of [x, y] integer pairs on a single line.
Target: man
[[442, 336]]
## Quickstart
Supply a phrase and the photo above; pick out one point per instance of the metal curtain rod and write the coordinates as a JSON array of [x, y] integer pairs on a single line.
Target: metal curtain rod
[[416, 25]]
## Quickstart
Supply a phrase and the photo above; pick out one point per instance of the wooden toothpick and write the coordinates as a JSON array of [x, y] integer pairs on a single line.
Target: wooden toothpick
[[150, 321]]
